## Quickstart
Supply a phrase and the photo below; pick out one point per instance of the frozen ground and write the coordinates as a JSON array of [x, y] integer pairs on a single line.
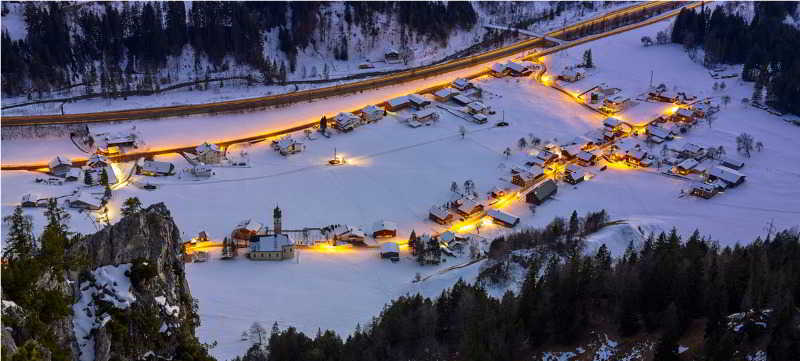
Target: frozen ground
[[397, 173]]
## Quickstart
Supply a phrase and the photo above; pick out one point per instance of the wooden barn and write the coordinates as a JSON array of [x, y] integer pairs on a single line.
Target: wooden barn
[[399, 103], [384, 228], [440, 215], [60, 166], [542, 192], [503, 218]]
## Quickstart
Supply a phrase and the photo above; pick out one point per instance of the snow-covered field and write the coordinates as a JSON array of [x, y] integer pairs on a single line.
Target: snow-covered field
[[397, 173]]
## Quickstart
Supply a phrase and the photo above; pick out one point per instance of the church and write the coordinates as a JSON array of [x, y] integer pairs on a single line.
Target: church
[[274, 246]]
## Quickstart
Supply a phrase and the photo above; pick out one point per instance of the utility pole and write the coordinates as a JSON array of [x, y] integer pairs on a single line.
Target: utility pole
[[651, 79]]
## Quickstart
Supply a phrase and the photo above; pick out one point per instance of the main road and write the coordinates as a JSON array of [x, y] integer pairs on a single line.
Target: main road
[[150, 113], [621, 15]]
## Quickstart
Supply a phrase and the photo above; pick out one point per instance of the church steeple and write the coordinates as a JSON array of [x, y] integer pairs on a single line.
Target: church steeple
[[276, 217]]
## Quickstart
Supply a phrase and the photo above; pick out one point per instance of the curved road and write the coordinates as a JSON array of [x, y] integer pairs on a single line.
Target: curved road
[[306, 95], [74, 118]]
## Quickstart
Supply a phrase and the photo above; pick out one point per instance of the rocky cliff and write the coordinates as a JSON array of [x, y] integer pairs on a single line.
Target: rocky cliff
[[130, 299]]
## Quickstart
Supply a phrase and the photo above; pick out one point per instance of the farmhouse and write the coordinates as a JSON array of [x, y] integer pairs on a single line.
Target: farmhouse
[[542, 192], [384, 228], [731, 163], [547, 156], [461, 84], [440, 215], [477, 108], [445, 94], [691, 150], [209, 153], [97, 161], [469, 207], [612, 124], [391, 251], [731, 177], [615, 104], [685, 167], [85, 201], [517, 69], [272, 247], [657, 134], [527, 178], [574, 174], [586, 159], [665, 96], [570, 152], [571, 75], [425, 116], [498, 70], [346, 121], [372, 113], [462, 99], [351, 235], [398, 103], [418, 101], [637, 158], [503, 218], [683, 116], [703, 190], [153, 168], [287, 146], [60, 166]]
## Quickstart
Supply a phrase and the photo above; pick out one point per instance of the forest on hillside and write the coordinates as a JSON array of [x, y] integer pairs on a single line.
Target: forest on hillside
[[659, 290], [768, 47], [111, 44]]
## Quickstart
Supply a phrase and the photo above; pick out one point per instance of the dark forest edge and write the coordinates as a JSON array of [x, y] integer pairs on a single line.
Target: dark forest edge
[[768, 48]]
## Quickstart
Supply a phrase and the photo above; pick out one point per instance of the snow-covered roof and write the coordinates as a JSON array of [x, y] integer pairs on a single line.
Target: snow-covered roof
[[384, 225], [201, 170], [86, 199], [446, 92], [76, 173], [461, 98], [570, 73], [439, 212], [398, 101], [467, 205], [461, 83], [546, 155], [477, 106], [480, 117], [424, 113], [692, 148], [157, 167], [687, 164], [498, 67], [345, 117], [704, 186], [573, 168], [684, 113], [97, 159], [585, 156], [657, 131], [371, 109], [732, 162], [502, 216], [536, 171], [206, 147], [286, 142], [389, 247], [611, 122], [515, 66], [418, 99], [59, 161], [270, 243], [726, 174]]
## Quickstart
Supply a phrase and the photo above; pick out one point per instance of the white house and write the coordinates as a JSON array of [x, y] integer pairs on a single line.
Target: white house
[[346, 121], [201, 171], [445, 94], [477, 107], [372, 113], [462, 99], [155, 168], [498, 70], [60, 166], [503, 218], [287, 146], [731, 177], [418, 101], [209, 153], [84, 201], [461, 84], [398, 103]]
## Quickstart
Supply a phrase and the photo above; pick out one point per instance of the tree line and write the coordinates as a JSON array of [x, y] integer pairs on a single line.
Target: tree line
[[658, 289], [768, 48], [67, 43]]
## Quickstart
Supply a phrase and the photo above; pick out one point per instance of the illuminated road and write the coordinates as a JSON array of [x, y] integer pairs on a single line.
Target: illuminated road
[[342, 89], [306, 95]]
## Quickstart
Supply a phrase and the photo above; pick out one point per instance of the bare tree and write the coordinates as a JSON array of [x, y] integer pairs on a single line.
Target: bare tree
[[507, 152], [522, 143], [744, 144], [726, 99], [759, 146], [258, 334], [462, 131], [454, 187]]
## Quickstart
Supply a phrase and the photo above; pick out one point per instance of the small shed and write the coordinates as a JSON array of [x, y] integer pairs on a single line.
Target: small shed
[[462, 99], [574, 176], [287, 146], [547, 156], [461, 84], [425, 116], [612, 124], [391, 251], [371, 113], [542, 192], [391, 55], [654, 131], [731, 163], [384, 228], [398, 103], [480, 118], [685, 167], [440, 215], [60, 166], [503, 218]]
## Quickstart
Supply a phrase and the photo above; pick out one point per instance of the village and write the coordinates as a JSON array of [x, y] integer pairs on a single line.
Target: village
[[638, 132]]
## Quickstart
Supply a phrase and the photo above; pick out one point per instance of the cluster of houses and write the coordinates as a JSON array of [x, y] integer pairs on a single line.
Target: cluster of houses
[[97, 167], [514, 69], [347, 121], [111, 143]]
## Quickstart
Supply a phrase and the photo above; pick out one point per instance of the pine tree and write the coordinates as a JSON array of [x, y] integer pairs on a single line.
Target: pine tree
[[54, 239], [19, 241], [104, 177], [131, 206], [587, 58], [88, 179], [412, 242]]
